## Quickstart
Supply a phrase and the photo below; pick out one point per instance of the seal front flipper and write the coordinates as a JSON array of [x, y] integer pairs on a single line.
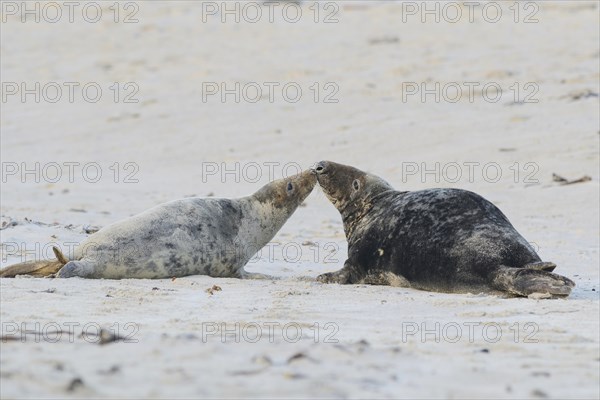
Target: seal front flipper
[[80, 268], [384, 278], [347, 275], [243, 274], [526, 281]]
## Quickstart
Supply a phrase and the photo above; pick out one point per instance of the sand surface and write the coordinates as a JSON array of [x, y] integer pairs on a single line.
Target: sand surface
[[293, 337]]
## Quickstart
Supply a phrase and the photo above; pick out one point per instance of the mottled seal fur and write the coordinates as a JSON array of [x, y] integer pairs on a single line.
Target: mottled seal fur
[[192, 236], [448, 240]]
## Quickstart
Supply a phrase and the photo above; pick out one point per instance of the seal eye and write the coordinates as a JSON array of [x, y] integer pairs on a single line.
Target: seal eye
[[356, 184], [290, 187]]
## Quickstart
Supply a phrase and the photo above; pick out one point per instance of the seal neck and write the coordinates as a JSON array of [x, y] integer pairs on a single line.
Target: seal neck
[[266, 220], [352, 218], [353, 213]]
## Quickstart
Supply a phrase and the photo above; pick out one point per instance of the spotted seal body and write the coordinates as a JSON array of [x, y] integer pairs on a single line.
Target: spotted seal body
[[447, 240], [192, 236]]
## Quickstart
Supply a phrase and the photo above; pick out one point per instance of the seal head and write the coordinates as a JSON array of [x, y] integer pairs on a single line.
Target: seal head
[[349, 189], [288, 193]]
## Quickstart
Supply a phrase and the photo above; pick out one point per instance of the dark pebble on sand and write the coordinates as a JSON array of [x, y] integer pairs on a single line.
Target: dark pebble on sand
[[539, 394], [75, 384]]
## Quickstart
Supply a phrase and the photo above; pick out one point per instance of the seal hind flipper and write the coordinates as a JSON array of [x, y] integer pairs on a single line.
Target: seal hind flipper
[[40, 269], [541, 266], [385, 278], [526, 281], [34, 268], [59, 255]]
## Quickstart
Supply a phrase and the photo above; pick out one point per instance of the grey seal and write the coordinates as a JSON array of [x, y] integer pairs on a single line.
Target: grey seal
[[191, 236], [448, 240]]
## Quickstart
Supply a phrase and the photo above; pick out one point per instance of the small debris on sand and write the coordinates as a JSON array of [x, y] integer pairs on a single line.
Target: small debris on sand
[[213, 289], [565, 181]]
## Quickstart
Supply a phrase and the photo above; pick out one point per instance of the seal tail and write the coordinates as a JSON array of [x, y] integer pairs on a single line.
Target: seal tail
[[531, 279], [36, 268]]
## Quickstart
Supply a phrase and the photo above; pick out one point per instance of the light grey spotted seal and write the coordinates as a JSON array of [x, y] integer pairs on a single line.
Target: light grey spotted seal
[[448, 240], [192, 236]]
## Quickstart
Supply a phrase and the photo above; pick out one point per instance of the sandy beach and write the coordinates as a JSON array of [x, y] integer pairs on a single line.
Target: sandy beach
[[108, 113]]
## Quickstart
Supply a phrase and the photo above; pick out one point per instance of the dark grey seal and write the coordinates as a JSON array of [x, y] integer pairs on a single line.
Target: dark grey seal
[[192, 236], [448, 240]]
